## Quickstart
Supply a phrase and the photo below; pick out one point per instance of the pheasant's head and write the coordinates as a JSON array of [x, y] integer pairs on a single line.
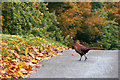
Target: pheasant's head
[[73, 37]]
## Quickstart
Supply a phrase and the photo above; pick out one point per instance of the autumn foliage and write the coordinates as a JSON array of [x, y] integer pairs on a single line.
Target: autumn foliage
[[87, 20], [21, 54]]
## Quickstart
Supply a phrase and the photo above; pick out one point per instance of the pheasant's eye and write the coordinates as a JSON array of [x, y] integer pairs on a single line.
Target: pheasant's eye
[[73, 37]]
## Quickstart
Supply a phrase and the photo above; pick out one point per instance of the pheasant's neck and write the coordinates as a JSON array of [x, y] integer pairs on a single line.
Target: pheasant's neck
[[75, 41]]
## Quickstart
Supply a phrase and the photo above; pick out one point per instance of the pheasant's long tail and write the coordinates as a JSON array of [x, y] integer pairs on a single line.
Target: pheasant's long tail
[[96, 48]]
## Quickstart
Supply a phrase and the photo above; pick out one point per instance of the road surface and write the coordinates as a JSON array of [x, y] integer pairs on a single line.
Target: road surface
[[100, 64]]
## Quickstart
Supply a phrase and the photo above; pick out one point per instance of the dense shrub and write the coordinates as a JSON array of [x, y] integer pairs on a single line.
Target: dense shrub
[[109, 36], [26, 18]]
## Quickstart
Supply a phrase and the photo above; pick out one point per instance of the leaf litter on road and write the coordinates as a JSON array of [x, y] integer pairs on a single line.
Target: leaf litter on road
[[19, 55]]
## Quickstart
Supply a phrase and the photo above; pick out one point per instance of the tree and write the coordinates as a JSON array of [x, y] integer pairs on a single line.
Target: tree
[[86, 20]]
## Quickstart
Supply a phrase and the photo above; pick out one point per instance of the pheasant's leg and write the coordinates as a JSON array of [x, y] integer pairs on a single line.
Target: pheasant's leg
[[80, 57], [85, 58]]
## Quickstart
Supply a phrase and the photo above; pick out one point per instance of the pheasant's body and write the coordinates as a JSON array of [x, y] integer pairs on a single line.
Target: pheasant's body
[[80, 49]]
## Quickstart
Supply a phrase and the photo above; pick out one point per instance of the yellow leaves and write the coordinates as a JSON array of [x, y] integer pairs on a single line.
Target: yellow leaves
[[34, 61], [40, 55], [24, 58], [0, 76], [41, 48], [20, 73], [72, 4], [26, 51], [21, 64], [23, 41], [8, 58], [14, 53], [42, 14], [40, 21], [44, 40], [52, 43], [111, 68], [11, 39], [46, 58], [18, 49], [50, 49], [83, 66]]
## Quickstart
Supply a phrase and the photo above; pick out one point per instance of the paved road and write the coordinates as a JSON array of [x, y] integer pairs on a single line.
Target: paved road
[[100, 64]]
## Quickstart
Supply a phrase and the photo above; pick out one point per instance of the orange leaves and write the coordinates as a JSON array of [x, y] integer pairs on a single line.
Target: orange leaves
[[70, 48], [73, 54], [53, 40], [24, 58], [28, 68], [14, 61], [33, 2], [20, 55]]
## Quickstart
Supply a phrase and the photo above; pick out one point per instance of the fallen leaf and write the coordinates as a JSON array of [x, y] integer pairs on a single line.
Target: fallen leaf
[[73, 54], [18, 49], [26, 50], [38, 65], [32, 55], [34, 61], [70, 48], [110, 67], [23, 71], [14, 53]]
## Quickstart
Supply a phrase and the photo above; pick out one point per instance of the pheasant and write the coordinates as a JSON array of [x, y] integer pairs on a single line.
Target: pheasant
[[80, 49]]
